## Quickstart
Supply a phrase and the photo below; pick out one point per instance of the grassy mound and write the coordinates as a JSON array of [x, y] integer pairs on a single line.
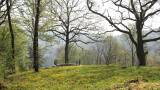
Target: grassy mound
[[88, 78]]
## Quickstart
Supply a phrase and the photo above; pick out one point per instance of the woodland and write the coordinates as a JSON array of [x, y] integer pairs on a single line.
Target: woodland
[[79, 45]]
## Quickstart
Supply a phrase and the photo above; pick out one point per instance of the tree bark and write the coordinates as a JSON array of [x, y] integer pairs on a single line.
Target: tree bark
[[35, 40], [8, 3], [140, 45], [132, 51], [67, 51], [67, 38], [141, 56]]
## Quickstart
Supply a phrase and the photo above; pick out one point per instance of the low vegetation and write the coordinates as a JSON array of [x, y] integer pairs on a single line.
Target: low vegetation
[[94, 77]]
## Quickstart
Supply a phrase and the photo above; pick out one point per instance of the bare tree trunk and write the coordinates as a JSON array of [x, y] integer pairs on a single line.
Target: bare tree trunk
[[67, 51], [132, 50], [141, 56], [140, 46], [35, 40], [8, 3]]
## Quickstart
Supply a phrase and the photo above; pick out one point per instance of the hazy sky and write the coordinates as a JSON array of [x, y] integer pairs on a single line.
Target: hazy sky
[[153, 22]]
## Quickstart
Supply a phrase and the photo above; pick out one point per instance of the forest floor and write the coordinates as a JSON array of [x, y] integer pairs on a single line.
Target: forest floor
[[84, 77]]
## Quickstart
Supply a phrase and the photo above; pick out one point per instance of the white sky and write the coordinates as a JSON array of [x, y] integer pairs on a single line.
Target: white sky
[[153, 22]]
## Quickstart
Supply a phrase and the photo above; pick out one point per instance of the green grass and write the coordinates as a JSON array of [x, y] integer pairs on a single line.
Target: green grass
[[85, 78]]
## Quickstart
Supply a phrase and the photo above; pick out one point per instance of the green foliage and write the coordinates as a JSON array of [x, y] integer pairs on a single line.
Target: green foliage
[[99, 77], [22, 58], [5, 49], [76, 55], [117, 54], [21, 53], [109, 51]]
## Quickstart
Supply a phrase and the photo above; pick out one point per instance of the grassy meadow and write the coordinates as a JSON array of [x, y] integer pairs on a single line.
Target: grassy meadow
[[85, 77]]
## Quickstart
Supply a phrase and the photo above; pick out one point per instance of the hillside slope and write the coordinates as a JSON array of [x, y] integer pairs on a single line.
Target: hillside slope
[[87, 78]]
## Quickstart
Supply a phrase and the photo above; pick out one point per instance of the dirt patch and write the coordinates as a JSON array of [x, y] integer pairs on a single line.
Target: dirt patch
[[137, 84], [2, 86], [144, 86]]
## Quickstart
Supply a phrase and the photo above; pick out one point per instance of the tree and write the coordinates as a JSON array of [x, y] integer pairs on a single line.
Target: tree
[[110, 46], [21, 61], [75, 55], [131, 45], [108, 51], [8, 6], [26, 19], [35, 38], [2, 12], [138, 12], [26, 11], [98, 50], [69, 22]]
